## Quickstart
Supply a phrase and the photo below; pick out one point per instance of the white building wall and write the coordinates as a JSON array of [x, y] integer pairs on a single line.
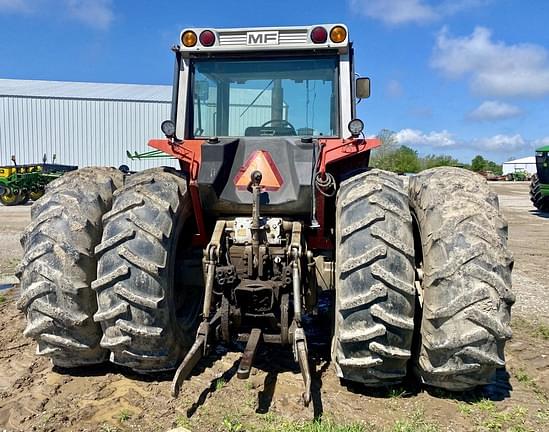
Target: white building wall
[[527, 164], [81, 132]]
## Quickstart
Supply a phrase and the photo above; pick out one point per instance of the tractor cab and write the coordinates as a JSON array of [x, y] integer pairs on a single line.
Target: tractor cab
[[542, 164], [287, 81]]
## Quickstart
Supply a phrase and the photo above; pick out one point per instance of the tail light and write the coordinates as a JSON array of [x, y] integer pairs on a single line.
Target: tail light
[[338, 34], [207, 38], [188, 39], [319, 35]]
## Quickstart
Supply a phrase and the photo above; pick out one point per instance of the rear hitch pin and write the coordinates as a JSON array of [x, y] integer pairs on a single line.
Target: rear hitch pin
[[245, 365]]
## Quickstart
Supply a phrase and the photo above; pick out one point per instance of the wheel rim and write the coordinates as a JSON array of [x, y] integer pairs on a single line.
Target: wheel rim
[[9, 198], [35, 195]]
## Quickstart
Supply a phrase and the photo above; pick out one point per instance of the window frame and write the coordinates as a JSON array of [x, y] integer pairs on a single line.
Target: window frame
[[189, 117]]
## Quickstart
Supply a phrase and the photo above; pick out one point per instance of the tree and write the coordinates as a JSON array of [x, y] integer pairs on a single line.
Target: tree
[[401, 160], [478, 163], [432, 161]]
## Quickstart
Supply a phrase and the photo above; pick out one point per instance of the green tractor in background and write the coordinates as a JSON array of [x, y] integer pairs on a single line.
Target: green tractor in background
[[539, 186]]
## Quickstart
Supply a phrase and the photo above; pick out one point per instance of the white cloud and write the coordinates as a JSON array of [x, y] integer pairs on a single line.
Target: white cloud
[[94, 13], [494, 110], [396, 12], [414, 137], [493, 67], [501, 143]]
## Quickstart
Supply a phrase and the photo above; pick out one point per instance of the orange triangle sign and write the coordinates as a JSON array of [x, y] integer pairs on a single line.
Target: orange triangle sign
[[260, 160]]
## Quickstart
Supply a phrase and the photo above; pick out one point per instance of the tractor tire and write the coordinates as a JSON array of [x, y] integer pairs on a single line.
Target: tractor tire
[[466, 284], [540, 202], [10, 198], [148, 321], [59, 265], [36, 194], [375, 293]]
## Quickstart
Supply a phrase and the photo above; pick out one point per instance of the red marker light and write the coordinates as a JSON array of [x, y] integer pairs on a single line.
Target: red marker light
[[319, 35], [207, 38]]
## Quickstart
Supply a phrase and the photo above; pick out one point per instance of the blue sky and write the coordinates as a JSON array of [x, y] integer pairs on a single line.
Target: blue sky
[[461, 77]]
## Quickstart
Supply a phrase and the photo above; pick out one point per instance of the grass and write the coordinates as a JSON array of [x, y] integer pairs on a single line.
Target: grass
[[219, 384], [325, 425], [272, 423], [415, 423], [485, 405], [107, 428], [2, 298], [543, 416], [522, 376], [397, 392], [541, 331], [507, 420], [124, 415], [534, 328], [465, 408], [232, 424], [488, 418], [182, 421]]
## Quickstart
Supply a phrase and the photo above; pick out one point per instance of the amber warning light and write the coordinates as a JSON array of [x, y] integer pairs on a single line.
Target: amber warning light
[[260, 160]]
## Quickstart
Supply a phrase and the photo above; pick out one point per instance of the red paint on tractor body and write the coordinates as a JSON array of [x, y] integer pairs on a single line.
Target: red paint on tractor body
[[331, 150]]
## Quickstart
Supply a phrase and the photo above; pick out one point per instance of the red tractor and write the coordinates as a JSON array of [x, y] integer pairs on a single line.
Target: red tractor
[[273, 204]]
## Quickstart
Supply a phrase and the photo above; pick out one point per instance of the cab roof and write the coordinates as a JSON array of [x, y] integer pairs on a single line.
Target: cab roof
[[266, 38]]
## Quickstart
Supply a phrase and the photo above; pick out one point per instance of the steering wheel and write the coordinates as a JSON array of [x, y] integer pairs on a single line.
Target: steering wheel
[[284, 123]]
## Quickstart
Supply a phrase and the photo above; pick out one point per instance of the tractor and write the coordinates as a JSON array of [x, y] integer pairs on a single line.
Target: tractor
[[273, 205], [539, 184]]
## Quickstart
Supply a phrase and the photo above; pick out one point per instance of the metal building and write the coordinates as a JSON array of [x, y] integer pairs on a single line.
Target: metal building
[[83, 124], [527, 164]]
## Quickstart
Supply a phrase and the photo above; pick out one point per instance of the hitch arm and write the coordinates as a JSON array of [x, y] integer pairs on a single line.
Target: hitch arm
[[197, 351]]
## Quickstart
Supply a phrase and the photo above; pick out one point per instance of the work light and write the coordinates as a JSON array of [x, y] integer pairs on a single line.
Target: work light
[[356, 126], [168, 127]]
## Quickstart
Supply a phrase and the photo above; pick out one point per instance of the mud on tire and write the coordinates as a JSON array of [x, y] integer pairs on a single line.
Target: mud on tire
[[467, 278], [135, 282], [59, 265], [375, 293]]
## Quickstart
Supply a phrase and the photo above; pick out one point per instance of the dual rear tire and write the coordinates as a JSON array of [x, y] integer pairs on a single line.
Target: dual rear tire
[[461, 250], [97, 276]]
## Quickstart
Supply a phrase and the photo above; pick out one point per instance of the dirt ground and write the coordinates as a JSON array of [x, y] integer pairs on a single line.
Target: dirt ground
[[35, 397]]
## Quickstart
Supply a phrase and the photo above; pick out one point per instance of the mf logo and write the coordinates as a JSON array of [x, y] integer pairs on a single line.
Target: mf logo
[[262, 38]]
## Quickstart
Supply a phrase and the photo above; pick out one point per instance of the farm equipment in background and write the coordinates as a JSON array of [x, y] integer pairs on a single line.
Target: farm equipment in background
[[539, 185], [273, 206], [21, 183], [520, 174]]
